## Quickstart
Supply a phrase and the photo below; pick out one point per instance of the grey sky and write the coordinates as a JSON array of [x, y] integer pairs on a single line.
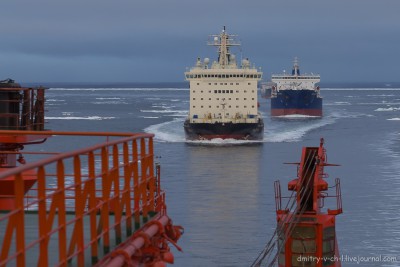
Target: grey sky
[[154, 41]]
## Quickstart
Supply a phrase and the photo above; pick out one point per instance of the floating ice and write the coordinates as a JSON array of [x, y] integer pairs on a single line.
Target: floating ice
[[98, 118], [387, 109]]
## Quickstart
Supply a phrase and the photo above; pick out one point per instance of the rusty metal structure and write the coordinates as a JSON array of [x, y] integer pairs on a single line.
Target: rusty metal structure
[[305, 233], [100, 205]]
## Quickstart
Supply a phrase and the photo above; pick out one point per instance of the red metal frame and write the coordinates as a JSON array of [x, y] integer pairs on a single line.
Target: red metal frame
[[111, 183]]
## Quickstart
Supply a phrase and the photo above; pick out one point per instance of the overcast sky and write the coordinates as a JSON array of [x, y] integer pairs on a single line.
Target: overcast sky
[[154, 41]]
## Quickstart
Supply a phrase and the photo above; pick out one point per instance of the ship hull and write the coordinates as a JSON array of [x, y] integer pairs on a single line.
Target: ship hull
[[296, 102], [227, 130]]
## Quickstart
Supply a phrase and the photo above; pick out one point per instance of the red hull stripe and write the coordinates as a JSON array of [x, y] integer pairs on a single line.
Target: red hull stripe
[[224, 136], [308, 112]]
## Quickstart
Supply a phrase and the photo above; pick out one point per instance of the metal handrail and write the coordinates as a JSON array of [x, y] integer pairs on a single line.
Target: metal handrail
[[119, 190]]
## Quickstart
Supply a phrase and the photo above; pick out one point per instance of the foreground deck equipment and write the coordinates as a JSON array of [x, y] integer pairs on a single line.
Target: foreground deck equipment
[[305, 234], [21, 108], [100, 205]]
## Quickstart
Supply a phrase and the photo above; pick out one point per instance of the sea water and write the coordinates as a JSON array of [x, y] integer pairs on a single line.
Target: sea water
[[221, 191]]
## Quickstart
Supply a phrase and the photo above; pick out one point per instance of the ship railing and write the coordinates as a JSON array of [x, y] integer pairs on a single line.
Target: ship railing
[[279, 197], [84, 203], [338, 197]]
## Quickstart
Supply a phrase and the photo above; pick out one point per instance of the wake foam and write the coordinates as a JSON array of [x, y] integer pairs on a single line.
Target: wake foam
[[278, 131], [170, 131], [294, 131]]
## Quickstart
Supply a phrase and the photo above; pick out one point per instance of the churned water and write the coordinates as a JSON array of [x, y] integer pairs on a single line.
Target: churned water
[[221, 191]]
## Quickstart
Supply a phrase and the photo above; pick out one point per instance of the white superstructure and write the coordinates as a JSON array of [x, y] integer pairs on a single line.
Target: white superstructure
[[223, 91], [295, 80]]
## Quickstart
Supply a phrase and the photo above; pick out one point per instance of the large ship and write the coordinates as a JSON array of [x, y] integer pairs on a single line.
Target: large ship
[[296, 94], [223, 96]]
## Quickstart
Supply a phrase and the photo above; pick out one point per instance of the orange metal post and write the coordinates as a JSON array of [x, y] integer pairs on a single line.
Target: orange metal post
[[43, 231], [20, 218], [92, 206], [62, 231], [104, 210], [116, 201]]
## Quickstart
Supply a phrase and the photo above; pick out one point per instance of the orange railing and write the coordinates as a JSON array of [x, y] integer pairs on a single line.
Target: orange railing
[[84, 203]]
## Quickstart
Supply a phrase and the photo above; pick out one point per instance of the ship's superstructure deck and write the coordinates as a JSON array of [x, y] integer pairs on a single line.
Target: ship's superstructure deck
[[224, 91]]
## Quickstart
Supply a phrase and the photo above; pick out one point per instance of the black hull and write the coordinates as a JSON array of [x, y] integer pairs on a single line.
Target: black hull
[[241, 131]]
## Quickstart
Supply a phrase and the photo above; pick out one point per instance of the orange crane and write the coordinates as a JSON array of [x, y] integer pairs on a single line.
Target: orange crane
[[305, 233]]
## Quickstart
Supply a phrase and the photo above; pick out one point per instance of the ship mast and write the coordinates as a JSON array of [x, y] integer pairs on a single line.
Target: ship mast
[[296, 68], [223, 41]]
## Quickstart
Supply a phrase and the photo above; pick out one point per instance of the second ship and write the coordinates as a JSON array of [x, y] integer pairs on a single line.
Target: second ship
[[296, 94], [223, 96]]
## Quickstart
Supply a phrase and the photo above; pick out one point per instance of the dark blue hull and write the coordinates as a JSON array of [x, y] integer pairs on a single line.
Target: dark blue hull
[[301, 102]]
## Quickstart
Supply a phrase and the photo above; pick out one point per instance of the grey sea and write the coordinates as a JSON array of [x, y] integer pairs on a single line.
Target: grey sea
[[221, 191]]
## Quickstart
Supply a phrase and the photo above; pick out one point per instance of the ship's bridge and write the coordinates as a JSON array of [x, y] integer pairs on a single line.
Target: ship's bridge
[[226, 74]]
